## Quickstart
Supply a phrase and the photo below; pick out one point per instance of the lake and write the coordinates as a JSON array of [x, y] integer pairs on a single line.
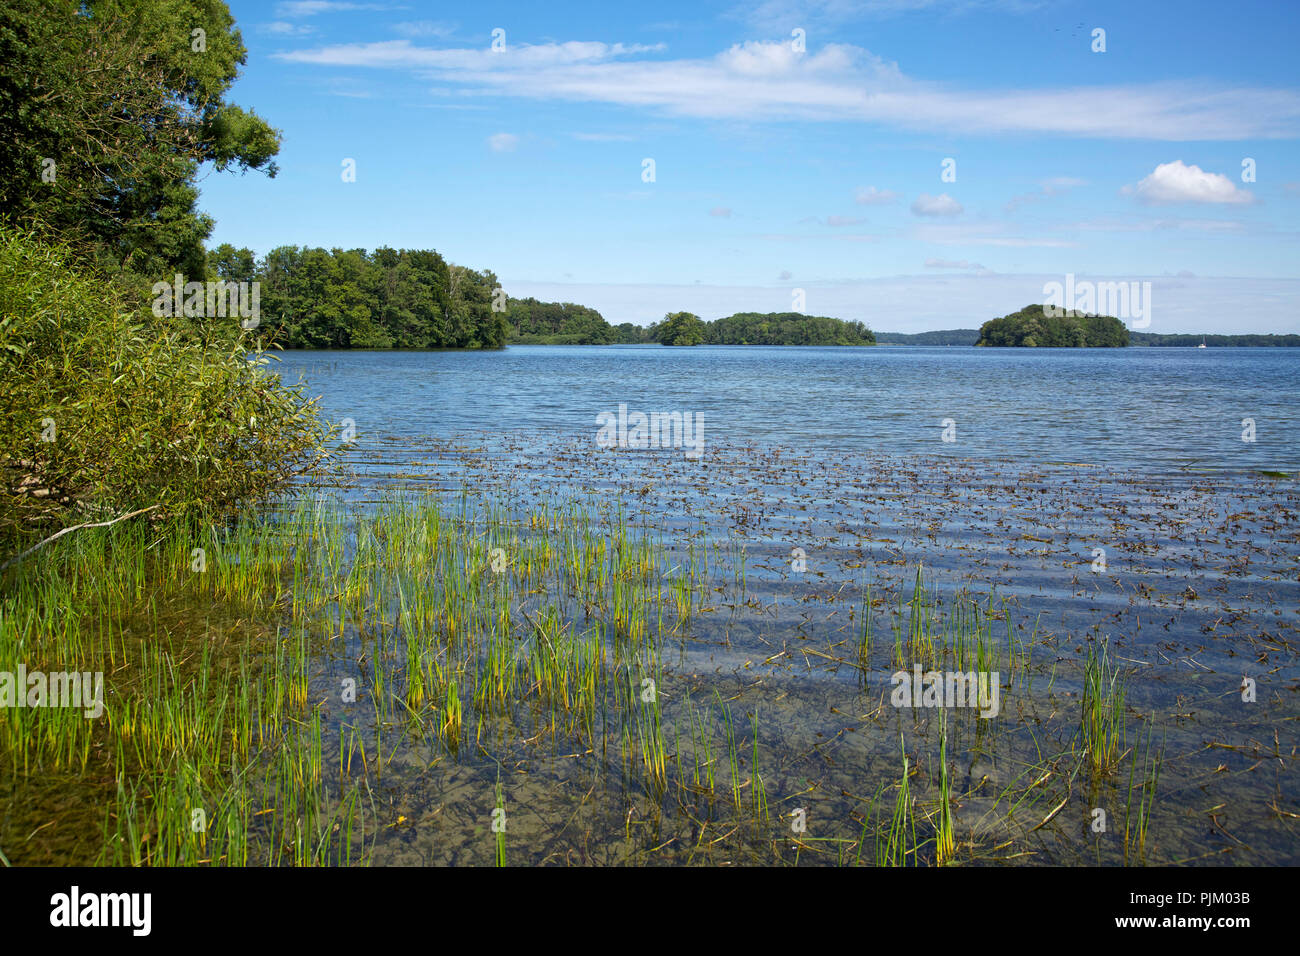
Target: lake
[[1149, 409], [1137, 504], [902, 606]]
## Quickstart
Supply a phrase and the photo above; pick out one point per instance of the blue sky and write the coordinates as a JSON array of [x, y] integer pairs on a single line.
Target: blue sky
[[778, 168]]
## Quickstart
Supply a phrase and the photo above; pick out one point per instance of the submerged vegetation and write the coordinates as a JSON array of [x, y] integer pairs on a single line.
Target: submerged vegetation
[[282, 690]]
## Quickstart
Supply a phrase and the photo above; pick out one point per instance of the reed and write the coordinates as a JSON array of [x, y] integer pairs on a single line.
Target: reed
[[1102, 710]]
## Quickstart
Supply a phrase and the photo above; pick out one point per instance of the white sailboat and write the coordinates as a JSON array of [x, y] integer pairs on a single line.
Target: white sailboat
[[1202, 345]]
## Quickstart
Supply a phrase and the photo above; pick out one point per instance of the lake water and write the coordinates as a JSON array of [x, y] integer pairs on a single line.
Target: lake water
[[1141, 408], [1102, 497]]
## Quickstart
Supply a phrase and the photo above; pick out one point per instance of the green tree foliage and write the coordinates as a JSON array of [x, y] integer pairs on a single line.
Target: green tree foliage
[[557, 323], [105, 410], [680, 328], [107, 110], [754, 328], [353, 299], [786, 328], [627, 333], [944, 337], [1032, 328]]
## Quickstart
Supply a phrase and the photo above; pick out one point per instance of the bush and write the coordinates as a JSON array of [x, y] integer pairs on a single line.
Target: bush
[[105, 409]]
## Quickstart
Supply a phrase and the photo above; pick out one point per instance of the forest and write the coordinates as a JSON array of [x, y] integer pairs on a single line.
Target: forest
[[354, 299]]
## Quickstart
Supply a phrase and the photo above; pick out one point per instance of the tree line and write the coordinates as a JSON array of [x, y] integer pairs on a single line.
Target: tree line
[[532, 322], [1180, 340], [755, 328], [314, 298]]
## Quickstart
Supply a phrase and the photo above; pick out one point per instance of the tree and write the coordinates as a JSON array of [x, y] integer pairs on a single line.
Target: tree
[[107, 109], [682, 328], [1031, 327]]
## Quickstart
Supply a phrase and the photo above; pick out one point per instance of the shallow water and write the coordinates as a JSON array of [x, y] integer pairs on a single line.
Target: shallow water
[[1104, 495]]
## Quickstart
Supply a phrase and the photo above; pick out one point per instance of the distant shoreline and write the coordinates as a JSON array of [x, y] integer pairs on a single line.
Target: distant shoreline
[[1136, 339]]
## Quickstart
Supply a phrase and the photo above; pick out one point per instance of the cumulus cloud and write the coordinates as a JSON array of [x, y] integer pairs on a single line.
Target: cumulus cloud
[[1176, 182], [503, 142], [940, 205]]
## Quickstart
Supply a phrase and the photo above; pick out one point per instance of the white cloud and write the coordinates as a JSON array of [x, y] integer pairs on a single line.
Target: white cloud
[[721, 212], [309, 8], [837, 83], [940, 205], [1175, 182], [282, 28], [519, 63], [871, 196], [425, 28], [503, 142]]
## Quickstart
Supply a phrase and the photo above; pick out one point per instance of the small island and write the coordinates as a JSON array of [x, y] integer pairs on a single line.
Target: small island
[[759, 328], [1031, 327]]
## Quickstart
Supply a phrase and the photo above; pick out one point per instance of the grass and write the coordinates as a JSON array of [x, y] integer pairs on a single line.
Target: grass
[[1102, 720], [469, 633], [945, 842], [900, 839], [1137, 815]]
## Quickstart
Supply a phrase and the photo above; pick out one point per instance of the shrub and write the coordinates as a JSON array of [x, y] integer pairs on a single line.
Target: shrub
[[105, 408]]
